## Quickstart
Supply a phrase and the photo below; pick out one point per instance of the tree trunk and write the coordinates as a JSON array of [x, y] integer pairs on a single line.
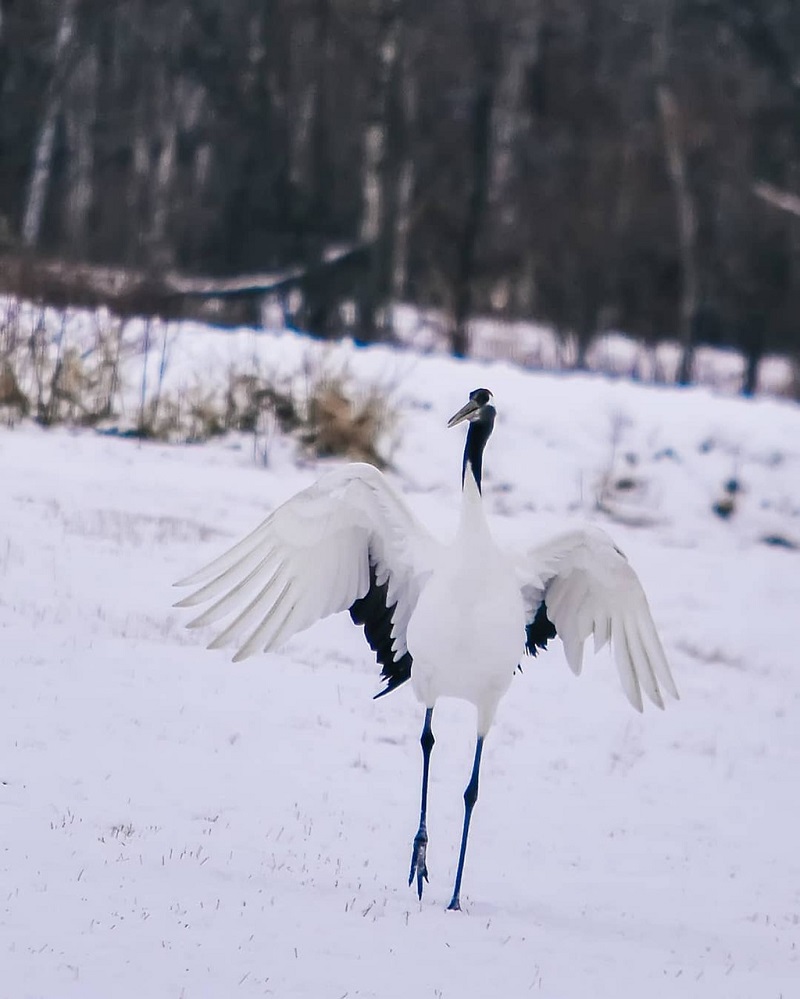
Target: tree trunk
[[669, 116], [42, 168], [380, 168], [80, 118], [752, 340], [321, 141], [161, 247], [687, 228], [304, 113], [588, 314], [511, 113], [486, 45], [405, 180]]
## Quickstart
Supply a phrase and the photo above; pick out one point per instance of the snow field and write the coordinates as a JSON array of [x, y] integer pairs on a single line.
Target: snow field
[[174, 825]]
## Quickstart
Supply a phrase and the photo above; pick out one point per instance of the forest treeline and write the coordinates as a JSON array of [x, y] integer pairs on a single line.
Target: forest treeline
[[594, 164]]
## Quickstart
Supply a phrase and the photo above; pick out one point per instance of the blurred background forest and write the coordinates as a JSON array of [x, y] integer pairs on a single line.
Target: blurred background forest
[[589, 164]]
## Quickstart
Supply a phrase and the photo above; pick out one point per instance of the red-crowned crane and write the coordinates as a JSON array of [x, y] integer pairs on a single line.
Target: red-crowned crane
[[453, 618]]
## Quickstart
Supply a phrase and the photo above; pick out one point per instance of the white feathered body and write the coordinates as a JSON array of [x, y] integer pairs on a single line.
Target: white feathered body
[[467, 634], [461, 609]]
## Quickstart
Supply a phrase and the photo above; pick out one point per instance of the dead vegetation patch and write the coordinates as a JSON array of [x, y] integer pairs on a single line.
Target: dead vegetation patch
[[113, 377]]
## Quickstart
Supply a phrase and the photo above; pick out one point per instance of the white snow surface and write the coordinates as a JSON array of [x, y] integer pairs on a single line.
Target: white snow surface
[[173, 825]]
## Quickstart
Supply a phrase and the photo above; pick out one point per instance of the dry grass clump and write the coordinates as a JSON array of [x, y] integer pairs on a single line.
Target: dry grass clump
[[190, 417], [12, 398], [106, 373], [14, 403], [337, 424], [328, 417], [47, 377]]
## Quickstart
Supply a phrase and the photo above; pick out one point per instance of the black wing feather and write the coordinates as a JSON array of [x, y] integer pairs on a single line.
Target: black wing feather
[[375, 615], [539, 631]]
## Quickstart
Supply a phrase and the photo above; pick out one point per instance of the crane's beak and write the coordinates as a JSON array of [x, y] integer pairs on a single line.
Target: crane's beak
[[464, 413]]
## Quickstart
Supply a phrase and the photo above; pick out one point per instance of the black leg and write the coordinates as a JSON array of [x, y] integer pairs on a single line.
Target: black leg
[[470, 797], [421, 839]]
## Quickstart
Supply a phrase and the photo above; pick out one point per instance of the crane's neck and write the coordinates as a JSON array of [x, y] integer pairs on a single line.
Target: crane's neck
[[472, 522], [472, 466]]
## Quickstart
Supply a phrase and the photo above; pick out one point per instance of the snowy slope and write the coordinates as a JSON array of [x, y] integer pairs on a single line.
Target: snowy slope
[[172, 825]]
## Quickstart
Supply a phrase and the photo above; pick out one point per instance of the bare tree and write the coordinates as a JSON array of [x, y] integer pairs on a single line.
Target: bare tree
[[80, 119], [686, 214], [41, 170], [485, 36], [380, 163]]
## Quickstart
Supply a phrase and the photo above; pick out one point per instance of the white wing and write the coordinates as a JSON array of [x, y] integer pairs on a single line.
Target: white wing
[[347, 540], [588, 588]]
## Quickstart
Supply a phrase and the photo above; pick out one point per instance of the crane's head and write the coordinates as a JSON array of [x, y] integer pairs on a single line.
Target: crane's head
[[481, 413], [479, 409]]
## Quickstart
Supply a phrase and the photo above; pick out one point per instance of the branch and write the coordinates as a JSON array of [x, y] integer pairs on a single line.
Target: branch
[[785, 200], [687, 216], [265, 284]]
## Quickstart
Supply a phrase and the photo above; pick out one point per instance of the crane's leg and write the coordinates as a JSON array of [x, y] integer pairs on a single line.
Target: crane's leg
[[470, 797], [421, 839]]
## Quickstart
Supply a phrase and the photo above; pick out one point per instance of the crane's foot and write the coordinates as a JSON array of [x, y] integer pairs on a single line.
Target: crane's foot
[[455, 905], [418, 866]]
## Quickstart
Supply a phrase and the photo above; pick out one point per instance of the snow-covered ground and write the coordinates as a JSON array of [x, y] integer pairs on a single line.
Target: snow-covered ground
[[173, 825]]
